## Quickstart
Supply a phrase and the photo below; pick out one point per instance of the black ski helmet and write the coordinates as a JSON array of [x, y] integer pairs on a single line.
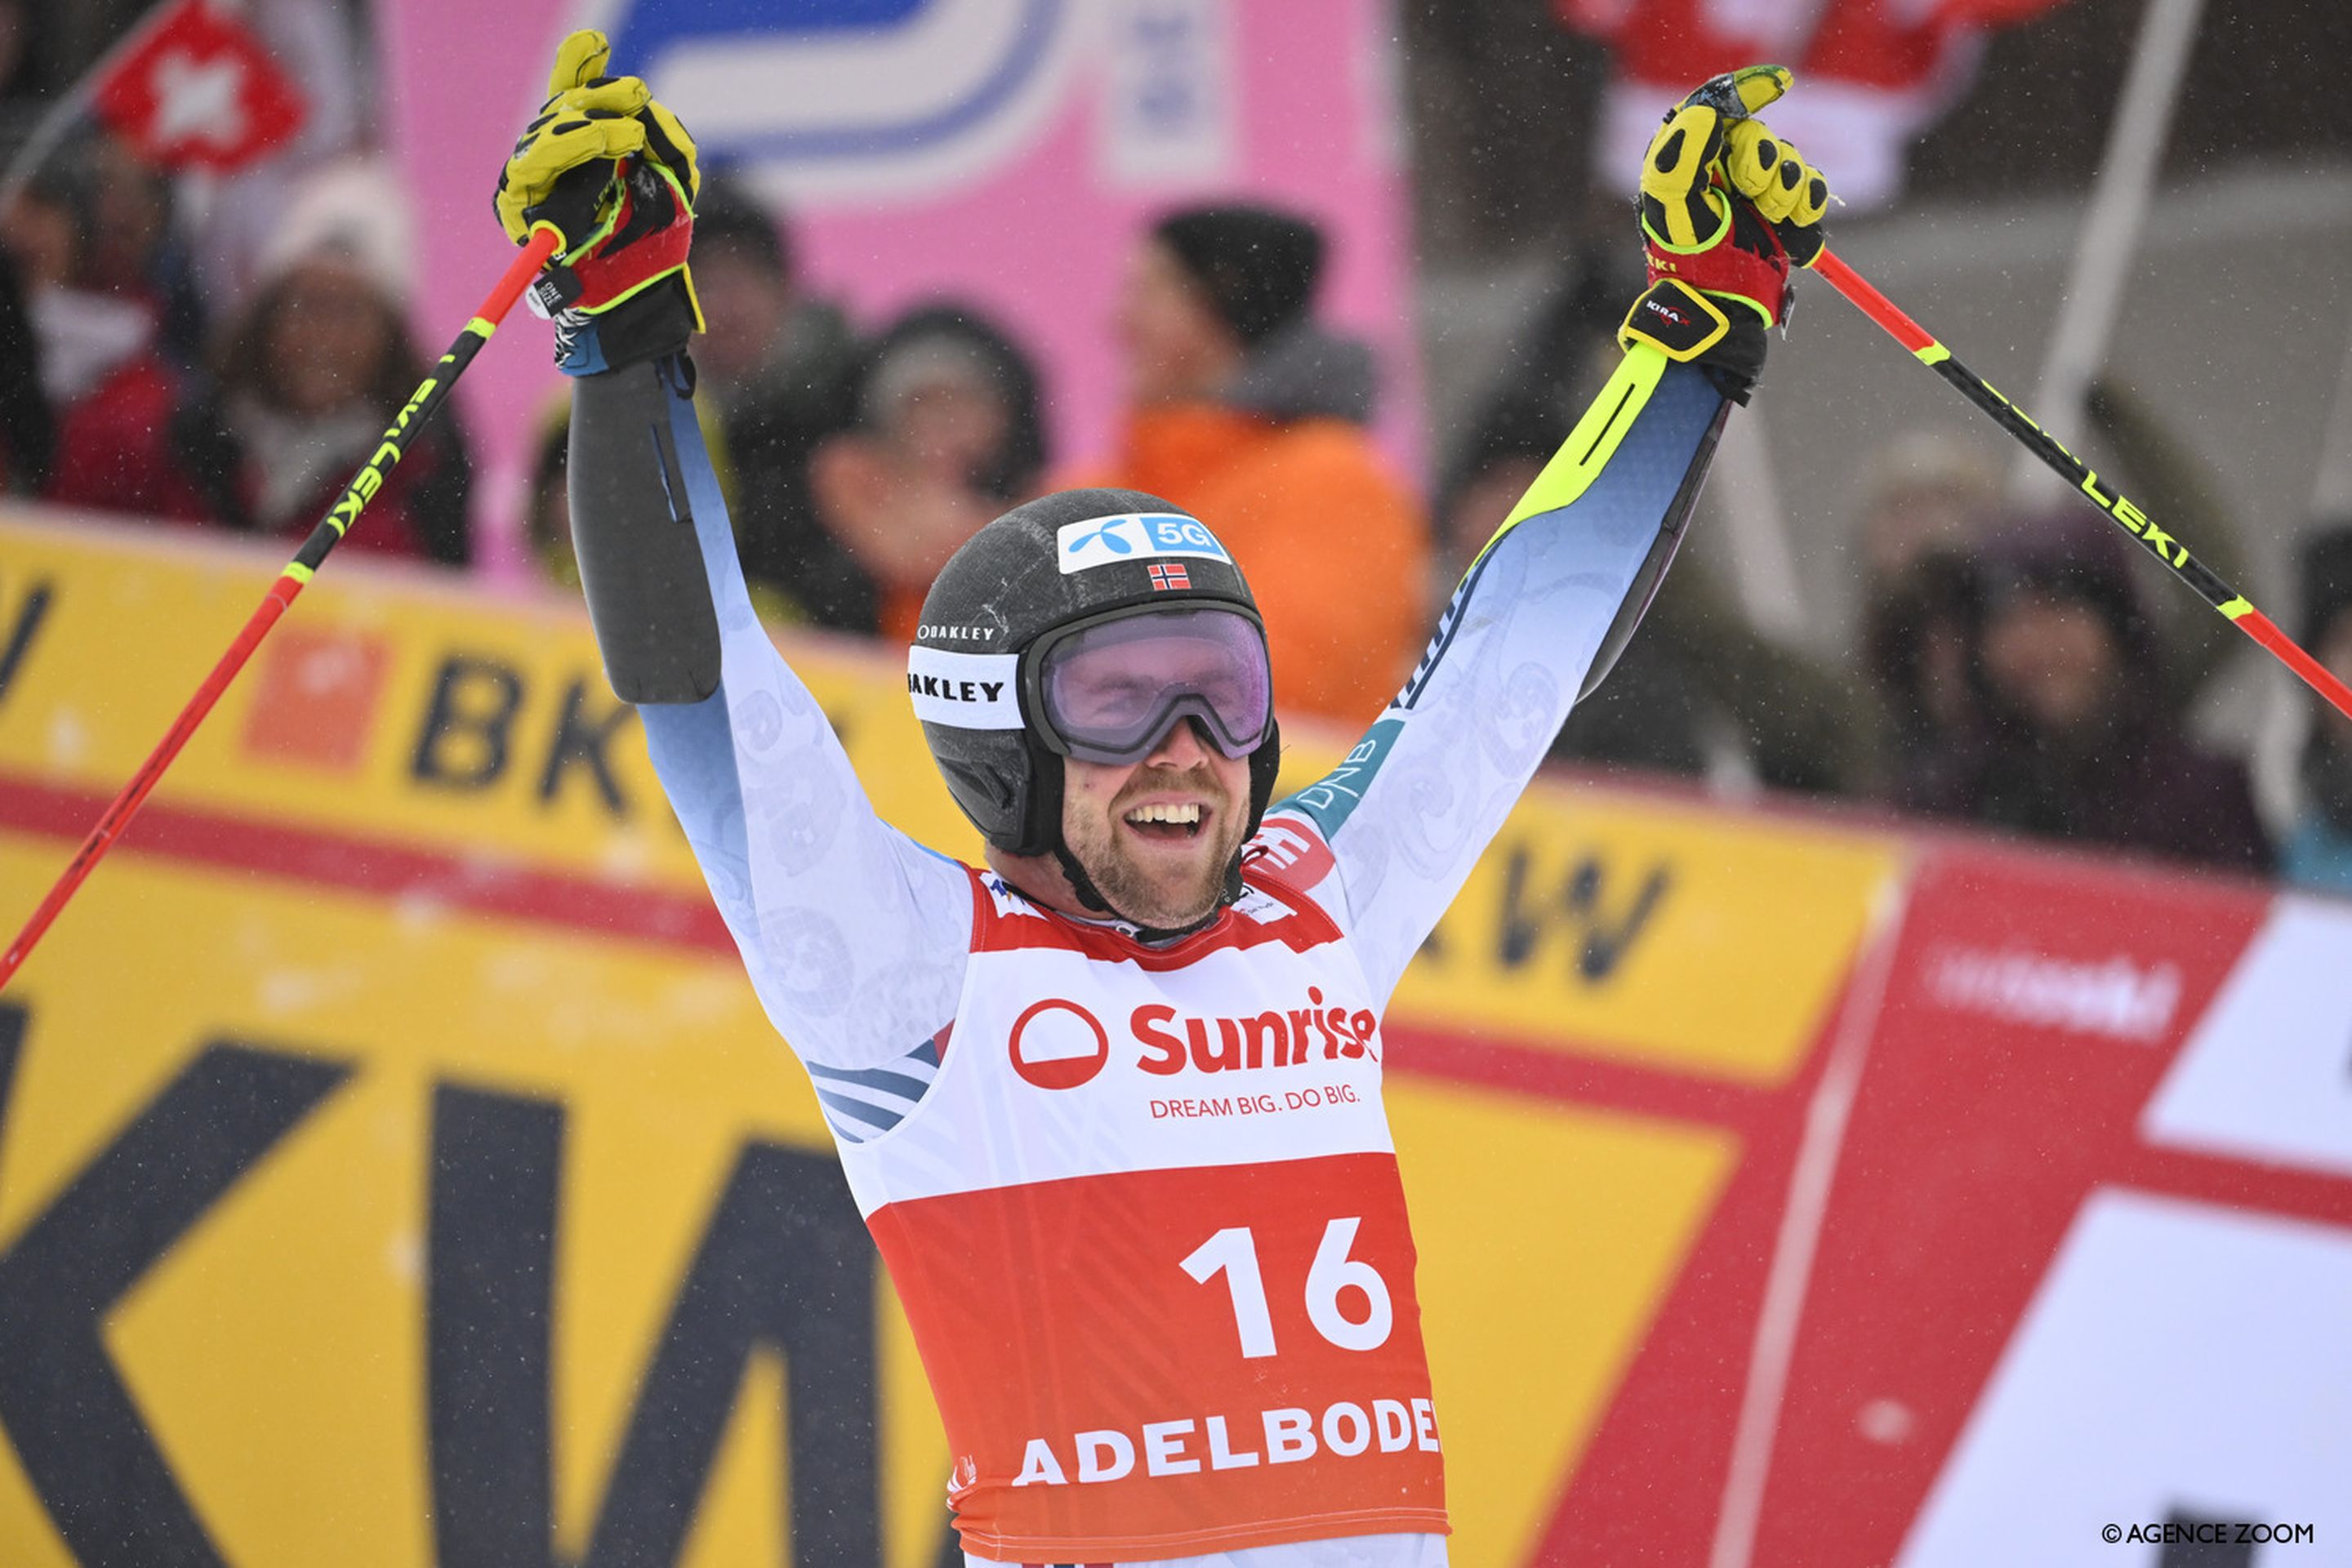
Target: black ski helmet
[[973, 671]]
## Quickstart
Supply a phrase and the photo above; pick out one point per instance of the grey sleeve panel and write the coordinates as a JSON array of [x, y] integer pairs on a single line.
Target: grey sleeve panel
[[632, 528]]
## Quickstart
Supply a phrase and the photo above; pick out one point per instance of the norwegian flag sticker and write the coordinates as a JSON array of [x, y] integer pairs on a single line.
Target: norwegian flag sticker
[[1167, 574]]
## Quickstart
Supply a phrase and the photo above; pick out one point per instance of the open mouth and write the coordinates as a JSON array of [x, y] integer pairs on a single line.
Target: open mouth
[[1167, 822]]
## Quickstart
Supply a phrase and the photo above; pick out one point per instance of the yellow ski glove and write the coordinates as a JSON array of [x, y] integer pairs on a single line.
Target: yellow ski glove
[[613, 173], [1726, 207], [589, 118]]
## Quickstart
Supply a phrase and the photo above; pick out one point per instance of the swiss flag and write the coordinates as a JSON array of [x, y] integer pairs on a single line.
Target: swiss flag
[[197, 90]]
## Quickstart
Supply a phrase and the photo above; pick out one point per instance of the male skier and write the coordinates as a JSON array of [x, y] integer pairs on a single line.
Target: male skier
[[1152, 1338]]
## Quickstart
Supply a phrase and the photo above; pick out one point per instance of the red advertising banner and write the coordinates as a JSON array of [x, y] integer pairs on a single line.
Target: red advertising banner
[[2055, 1235]]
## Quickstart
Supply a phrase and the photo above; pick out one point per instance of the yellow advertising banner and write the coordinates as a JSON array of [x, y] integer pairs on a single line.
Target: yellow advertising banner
[[1677, 937], [396, 1169]]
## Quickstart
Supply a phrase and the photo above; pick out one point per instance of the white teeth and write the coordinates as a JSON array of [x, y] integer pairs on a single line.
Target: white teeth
[[1176, 814]]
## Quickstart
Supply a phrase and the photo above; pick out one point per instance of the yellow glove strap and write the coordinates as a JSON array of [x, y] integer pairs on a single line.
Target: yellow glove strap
[[1674, 319]]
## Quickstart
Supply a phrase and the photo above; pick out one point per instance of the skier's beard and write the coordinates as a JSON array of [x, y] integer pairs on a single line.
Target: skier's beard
[[1164, 886]]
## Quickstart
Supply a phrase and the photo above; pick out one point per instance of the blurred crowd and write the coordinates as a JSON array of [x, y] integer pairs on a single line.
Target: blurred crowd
[[209, 349], [2024, 668], [224, 353]]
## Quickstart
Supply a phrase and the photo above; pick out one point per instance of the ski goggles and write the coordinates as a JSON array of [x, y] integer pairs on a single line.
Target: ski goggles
[[1109, 691]]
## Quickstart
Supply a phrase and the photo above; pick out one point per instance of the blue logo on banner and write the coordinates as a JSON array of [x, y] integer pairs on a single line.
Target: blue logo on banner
[[876, 52]]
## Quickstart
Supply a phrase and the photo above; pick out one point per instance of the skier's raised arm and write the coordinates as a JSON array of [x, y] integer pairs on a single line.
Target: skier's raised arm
[[1551, 601], [854, 935]]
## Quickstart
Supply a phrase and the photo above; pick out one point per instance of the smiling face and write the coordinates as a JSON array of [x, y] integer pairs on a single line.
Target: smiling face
[[1157, 835]]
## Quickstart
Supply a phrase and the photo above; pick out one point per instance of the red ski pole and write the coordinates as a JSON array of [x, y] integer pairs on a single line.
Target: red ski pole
[[2234, 605], [1722, 93], [426, 401]]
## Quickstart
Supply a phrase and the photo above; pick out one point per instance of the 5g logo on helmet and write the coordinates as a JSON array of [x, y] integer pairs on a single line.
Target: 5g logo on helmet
[[1107, 540]]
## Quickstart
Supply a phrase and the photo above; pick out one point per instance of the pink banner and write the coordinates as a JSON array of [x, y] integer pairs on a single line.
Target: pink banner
[[1002, 152]]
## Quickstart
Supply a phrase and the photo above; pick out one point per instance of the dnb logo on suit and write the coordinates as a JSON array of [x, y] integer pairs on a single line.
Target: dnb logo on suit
[[852, 97]]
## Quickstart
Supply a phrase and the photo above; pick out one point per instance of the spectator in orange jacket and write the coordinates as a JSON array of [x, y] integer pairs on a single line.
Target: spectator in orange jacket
[[1243, 410]]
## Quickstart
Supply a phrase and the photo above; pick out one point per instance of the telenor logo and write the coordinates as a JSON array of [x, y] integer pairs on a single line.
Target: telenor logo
[[1105, 541], [1106, 537], [1058, 1045]]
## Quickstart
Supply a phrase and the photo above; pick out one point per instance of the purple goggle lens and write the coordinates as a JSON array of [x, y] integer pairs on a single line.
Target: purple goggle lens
[[1112, 690]]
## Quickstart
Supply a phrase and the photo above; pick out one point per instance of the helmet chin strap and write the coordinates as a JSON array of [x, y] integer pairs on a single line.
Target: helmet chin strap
[[1080, 883]]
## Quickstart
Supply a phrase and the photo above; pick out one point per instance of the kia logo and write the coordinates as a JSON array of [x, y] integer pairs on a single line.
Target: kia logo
[[1058, 1045]]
